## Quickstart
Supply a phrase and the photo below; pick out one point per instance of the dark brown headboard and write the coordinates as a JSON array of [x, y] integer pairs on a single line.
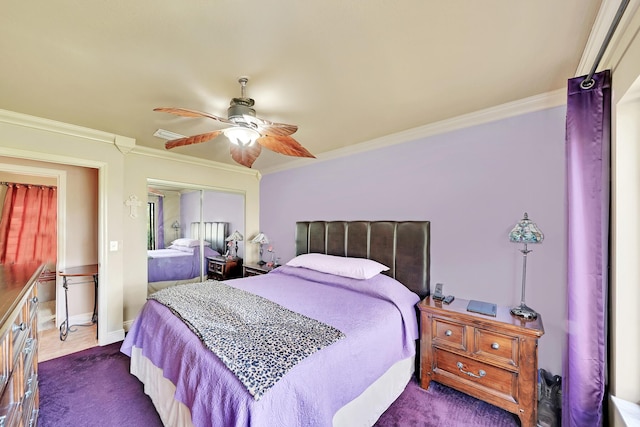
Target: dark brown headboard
[[403, 246]]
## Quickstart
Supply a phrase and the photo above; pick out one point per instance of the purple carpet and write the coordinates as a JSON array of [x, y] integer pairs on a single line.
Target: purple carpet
[[442, 406], [94, 388]]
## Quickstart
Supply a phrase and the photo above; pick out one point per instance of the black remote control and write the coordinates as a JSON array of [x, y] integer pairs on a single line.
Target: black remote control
[[448, 299]]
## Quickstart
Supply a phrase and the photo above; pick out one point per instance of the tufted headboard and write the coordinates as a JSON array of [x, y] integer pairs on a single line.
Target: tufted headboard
[[214, 233], [403, 246]]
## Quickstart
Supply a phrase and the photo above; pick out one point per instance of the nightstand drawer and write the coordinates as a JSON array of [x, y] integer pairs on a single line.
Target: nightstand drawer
[[499, 347], [492, 379], [256, 269], [449, 334], [215, 267]]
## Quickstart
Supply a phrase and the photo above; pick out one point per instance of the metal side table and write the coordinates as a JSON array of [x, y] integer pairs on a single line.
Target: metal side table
[[79, 271]]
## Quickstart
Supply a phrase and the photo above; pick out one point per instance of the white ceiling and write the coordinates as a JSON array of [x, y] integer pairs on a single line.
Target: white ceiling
[[345, 72]]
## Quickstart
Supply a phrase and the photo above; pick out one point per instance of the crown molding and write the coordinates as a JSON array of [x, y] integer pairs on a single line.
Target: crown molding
[[124, 144], [25, 120], [500, 112], [176, 157]]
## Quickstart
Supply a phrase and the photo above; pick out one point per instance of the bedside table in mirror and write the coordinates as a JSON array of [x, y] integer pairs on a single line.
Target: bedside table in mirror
[[221, 268]]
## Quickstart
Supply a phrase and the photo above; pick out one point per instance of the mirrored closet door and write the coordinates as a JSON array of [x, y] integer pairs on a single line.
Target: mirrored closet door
[[192, 233]]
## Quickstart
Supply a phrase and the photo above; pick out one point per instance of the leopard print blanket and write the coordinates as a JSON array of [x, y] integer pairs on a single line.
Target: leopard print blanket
[[257, 339]]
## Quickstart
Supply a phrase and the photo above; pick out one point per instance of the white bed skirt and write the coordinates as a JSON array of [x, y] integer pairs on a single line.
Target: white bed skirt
[[362, 411]]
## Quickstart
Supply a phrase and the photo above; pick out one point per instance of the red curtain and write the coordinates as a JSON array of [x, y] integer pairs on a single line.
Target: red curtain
[[28, 224]]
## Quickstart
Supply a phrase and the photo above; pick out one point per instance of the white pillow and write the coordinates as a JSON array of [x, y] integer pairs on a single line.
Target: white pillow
[[356, 268], [189, 242]]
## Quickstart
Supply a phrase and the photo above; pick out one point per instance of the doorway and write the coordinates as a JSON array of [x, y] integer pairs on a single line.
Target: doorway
[[80, 210]]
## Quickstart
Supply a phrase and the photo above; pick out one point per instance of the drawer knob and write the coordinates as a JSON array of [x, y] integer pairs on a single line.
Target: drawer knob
[[448, 332], [495, 346], [21, 327], [481, 373], [34, 300]]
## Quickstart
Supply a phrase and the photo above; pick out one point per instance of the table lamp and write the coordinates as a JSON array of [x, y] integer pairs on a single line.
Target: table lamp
[[261, 239], [235, 238], [526, 232]]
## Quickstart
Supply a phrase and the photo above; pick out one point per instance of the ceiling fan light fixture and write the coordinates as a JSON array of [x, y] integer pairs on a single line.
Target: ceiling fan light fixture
[[242, 136]]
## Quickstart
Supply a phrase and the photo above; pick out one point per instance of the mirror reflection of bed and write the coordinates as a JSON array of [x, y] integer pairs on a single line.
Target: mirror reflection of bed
[[175, 215], [181, 261]]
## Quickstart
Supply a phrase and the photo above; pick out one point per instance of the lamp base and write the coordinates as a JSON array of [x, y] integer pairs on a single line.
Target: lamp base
[[525, 312]]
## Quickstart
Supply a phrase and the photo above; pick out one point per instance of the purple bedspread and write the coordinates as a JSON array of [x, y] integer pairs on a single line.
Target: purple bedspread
[[173, 264], [376, 315]]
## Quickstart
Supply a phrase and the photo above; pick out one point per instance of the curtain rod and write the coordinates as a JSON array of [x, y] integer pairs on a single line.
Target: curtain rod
[[588, 82], [27, 185]]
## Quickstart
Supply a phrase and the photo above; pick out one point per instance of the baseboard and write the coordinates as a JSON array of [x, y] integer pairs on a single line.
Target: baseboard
[[109, 338], [78, 319], [112, 336], [127, 325]]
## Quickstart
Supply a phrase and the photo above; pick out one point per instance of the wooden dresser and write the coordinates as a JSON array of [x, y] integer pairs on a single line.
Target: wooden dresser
[[19, 352], [494, 359]]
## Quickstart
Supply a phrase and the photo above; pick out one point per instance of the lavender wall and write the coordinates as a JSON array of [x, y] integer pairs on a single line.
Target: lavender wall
[[473, 185]]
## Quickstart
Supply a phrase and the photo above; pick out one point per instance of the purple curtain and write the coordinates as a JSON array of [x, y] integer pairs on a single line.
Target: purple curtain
[[588, 170], [160, 224]]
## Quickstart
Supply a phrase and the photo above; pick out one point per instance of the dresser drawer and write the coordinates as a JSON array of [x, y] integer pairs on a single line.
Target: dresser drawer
[[28, 365], [449, 334], [10, 404], [32, 304], [497, 347], [29, 402], [4, 360], [491, 379], [19, 332]]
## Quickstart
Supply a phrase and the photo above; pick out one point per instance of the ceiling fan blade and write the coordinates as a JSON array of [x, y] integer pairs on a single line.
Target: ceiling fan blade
[[184, 112], [245, 155], [271, 128], [284, 145], [196, 139]]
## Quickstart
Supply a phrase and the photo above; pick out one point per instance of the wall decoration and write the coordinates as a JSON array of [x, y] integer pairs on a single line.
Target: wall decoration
[[133, 203]]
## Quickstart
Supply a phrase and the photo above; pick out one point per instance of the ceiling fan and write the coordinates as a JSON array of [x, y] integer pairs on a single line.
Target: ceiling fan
[[246, 132]]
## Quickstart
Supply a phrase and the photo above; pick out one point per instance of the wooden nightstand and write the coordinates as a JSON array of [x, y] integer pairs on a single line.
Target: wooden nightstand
[[494, 359], [224, 268], [255, 270]]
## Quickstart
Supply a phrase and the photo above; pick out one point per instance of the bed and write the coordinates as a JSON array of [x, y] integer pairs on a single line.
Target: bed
[[181, 261], [349, 382]]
